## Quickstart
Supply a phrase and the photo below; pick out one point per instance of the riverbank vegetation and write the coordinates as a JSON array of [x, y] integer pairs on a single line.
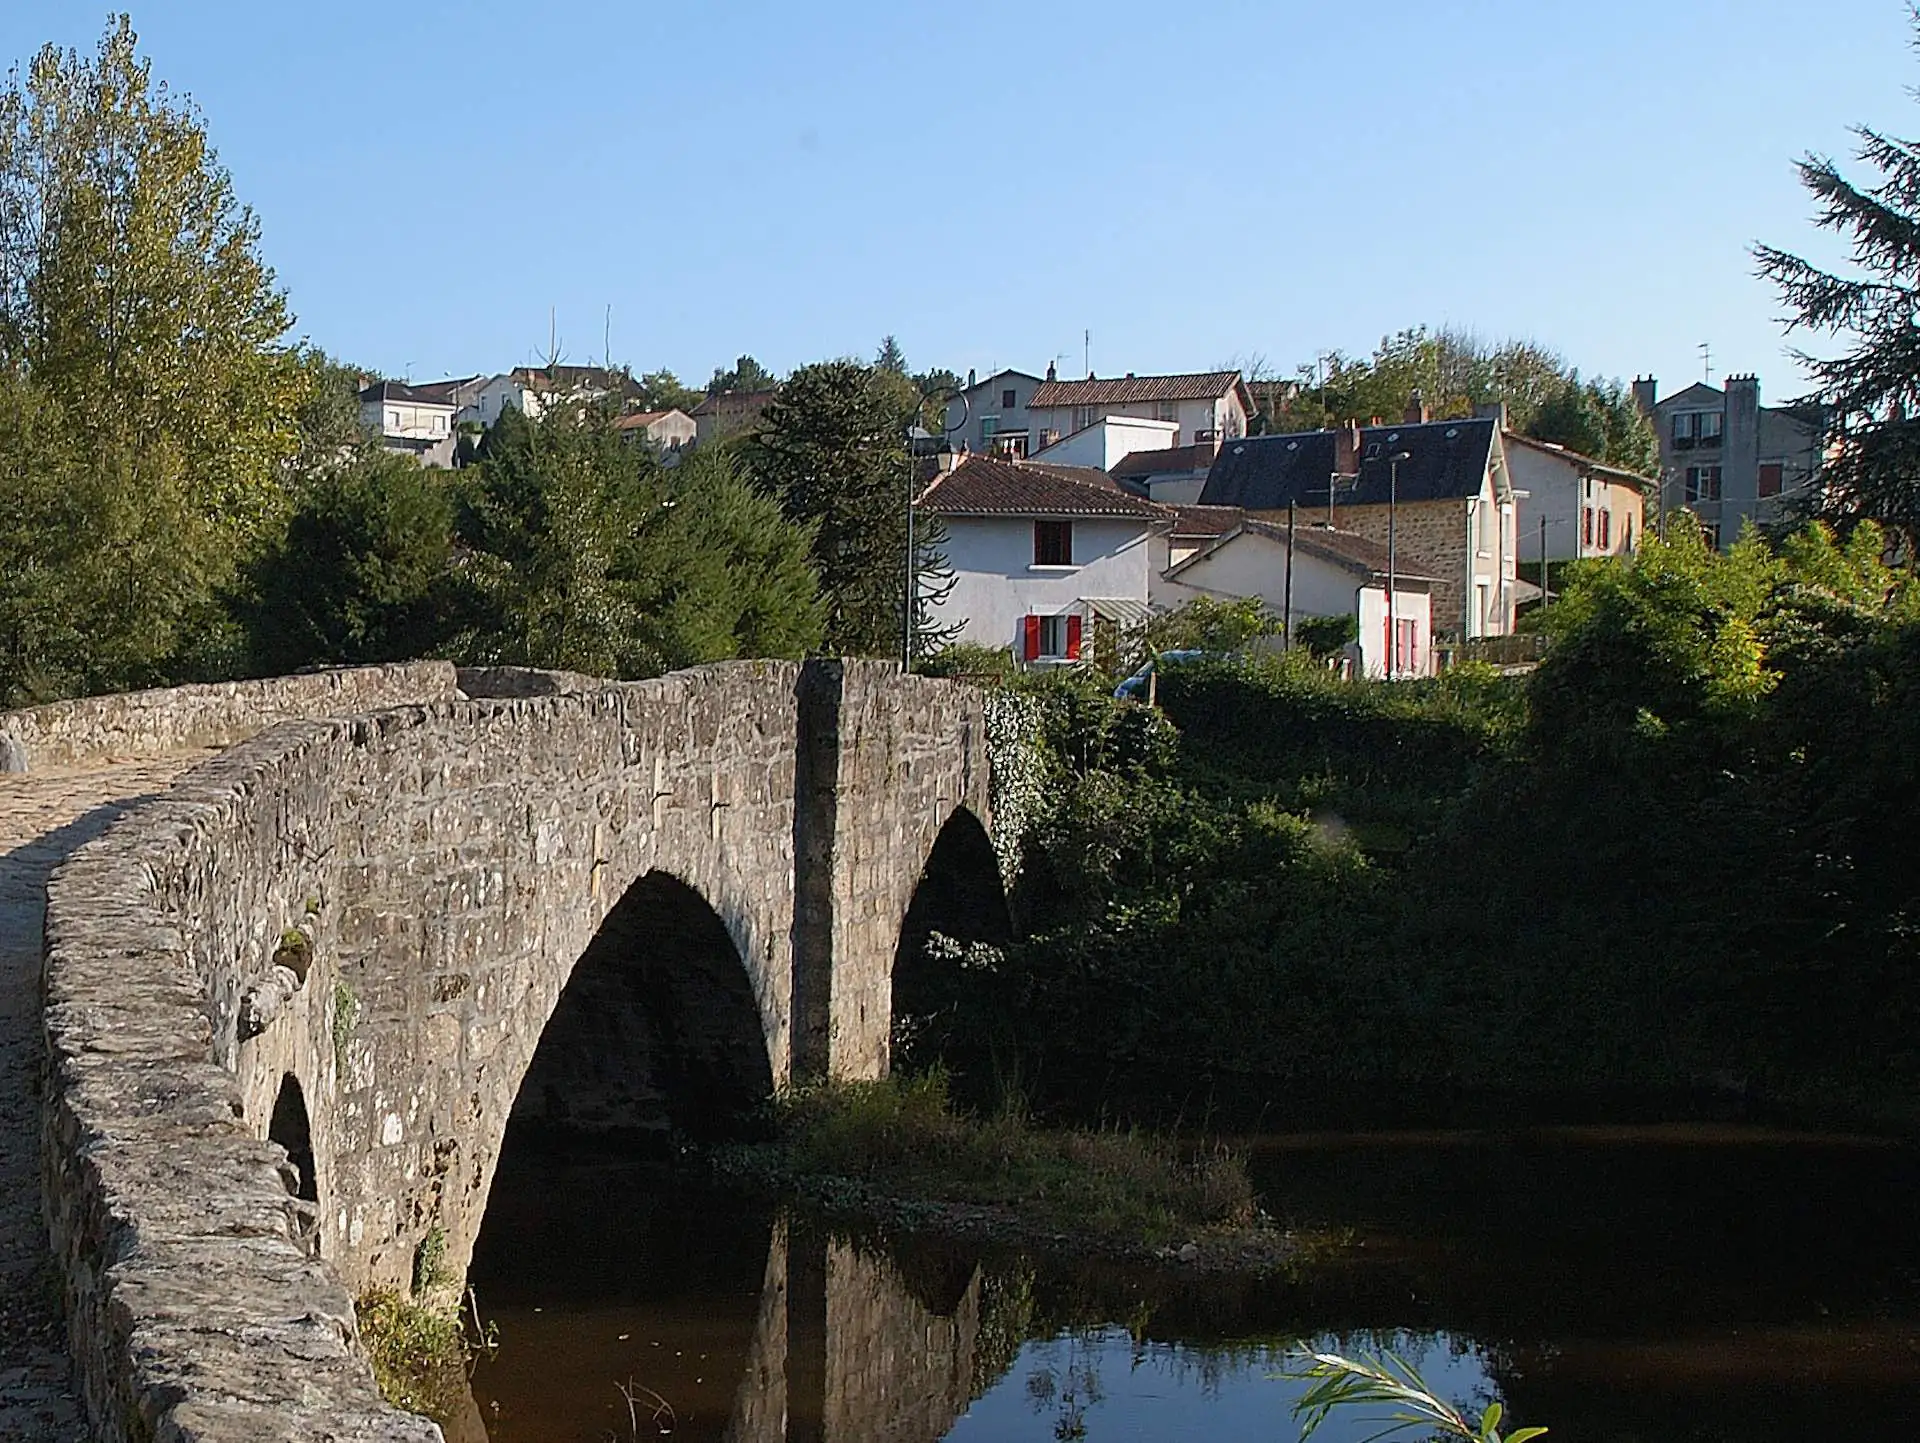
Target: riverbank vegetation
[[418, 1353], [896, 1151], [1671, 867]]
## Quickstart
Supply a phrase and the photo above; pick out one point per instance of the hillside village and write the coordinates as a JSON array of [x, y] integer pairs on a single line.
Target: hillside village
[[1072, 511]]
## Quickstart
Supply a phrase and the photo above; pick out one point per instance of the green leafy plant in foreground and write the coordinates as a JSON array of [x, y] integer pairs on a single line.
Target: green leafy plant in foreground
[[1340, 1382]]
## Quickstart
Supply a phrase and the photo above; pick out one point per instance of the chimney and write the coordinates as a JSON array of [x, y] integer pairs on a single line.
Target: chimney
[[1346, 449], [1646, 394], [1494, 411], [1417, 412], [971, 378], [1052, 375]]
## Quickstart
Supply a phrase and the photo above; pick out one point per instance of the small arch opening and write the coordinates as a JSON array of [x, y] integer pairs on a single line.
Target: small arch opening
[[958, 906], [289, 1128], [657, 1036]]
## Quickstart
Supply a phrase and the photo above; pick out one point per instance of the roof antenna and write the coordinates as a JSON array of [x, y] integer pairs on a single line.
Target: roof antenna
[[1087, 340], [1706, 361], [606, 340]]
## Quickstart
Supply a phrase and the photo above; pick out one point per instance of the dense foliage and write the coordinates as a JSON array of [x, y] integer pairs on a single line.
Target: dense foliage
[[1677, 859], [1453, 373]]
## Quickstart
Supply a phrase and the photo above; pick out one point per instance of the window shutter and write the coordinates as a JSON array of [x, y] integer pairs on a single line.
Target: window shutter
[[1073, 638], [1030, 636]]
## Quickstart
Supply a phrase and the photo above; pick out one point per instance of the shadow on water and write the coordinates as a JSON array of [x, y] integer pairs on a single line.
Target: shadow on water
[[1618, 1284]]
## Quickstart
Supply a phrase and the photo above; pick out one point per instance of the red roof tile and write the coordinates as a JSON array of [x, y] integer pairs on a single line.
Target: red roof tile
[[1196, 386], [991, 486]]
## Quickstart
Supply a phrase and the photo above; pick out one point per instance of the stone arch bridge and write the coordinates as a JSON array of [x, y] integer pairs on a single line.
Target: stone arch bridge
[[296, 986]]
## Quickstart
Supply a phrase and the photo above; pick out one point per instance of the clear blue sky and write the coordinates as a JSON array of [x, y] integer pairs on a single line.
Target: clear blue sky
[[1193, 182]]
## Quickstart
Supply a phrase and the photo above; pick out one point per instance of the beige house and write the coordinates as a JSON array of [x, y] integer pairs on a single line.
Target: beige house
[[671, 430], [418, 420], [1449, 501], [1576, 506]]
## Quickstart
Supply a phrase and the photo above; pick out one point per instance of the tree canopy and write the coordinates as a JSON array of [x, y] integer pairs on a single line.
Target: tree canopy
[[1870, 390], [746, 374]]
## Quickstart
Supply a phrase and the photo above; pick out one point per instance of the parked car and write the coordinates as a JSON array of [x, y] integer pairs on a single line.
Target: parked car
[[1139, 686]]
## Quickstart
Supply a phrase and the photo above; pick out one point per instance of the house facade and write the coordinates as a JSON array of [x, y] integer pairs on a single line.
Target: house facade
[[1727, 458], [1210, 405], [1334, 573], [1174, 476], [418, 420], [530, 389], [1042, 556], [1575, 506], [668, 431], [1449, 504], [989, 418]]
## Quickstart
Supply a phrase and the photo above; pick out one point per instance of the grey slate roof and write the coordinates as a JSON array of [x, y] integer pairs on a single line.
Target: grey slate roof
[[1447, 460]]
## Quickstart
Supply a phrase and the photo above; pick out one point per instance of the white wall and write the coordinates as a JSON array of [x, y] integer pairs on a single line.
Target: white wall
[[1255, 565], [500, 391], [1223, 414], [1105, 445], [996, 583], [407, 420], [1560, 492]]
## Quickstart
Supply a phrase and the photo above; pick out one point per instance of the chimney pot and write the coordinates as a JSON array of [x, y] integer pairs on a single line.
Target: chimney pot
[[1052, 375], [1417, 412]]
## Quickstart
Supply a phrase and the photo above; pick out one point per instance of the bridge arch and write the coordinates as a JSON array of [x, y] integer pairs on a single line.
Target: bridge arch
[[960, 896], [656, 1033]]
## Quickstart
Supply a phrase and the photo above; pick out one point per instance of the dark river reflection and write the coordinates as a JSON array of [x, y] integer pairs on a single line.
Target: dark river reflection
[[1626, 1284]]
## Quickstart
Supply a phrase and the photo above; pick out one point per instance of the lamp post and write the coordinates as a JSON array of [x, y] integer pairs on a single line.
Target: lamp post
[[1393, 504], [946, 396]]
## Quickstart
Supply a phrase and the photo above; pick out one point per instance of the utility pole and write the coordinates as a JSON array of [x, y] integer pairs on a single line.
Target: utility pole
[[1393, 503], [1545, 594], [1287, 612]]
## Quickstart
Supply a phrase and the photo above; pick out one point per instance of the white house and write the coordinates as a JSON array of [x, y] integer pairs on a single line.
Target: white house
[[418, 420], [668, 430], [528, 389], [1042, 555], [990, 417], [1108, 442], [1208, 406], [1335, 573], [1589, 509]]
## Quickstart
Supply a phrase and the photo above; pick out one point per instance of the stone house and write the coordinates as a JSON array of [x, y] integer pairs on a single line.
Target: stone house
[[1042, 555], [1450, 503], [728, 414], [990, 417]]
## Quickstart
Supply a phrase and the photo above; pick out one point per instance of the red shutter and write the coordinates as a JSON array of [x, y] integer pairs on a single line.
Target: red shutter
[[1073, 638], [1606, 528], [1586, 526], [1030, 637]]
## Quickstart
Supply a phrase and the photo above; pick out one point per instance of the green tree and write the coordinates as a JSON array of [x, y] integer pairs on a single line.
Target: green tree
[[363, 572], [890, 357], [583, 553], [1602, 420], [832, 449], [139, 318], [1870, 391], [662, 391], [746, 374]]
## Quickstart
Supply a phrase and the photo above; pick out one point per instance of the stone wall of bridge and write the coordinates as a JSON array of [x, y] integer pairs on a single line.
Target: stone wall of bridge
[[387, 910]]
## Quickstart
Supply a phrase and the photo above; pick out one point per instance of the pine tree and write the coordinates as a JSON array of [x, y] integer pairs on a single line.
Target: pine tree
[[1870, 392]]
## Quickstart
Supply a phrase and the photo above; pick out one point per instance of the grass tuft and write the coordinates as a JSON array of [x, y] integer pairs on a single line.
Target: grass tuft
[[419, 1354], [901, 1138]]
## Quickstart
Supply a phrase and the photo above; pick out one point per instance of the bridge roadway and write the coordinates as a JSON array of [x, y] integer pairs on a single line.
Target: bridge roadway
[[44, 817]]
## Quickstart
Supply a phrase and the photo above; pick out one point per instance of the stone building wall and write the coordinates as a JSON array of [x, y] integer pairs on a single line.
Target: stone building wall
[[445, 865]]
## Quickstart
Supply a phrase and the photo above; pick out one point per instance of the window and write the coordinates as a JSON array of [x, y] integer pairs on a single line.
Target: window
[[1703, 484], [1606, 528], [1686, 426], [393, 420], [1709, 428], [1050, 638], [1007, 402], [1053, 543], [1167, 411], [1011, 444], [1406, 651], [1772, 473], [988, 425], [1085, 416]]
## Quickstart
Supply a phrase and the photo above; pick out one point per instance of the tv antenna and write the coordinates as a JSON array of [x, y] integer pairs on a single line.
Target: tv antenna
[[1706, 361]]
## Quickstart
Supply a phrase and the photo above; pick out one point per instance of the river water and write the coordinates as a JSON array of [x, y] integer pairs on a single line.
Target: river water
[[1671, 1284]]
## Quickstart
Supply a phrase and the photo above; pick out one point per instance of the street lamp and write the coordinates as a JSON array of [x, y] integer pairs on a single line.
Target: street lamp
[[946, 396], [1393, 503]]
